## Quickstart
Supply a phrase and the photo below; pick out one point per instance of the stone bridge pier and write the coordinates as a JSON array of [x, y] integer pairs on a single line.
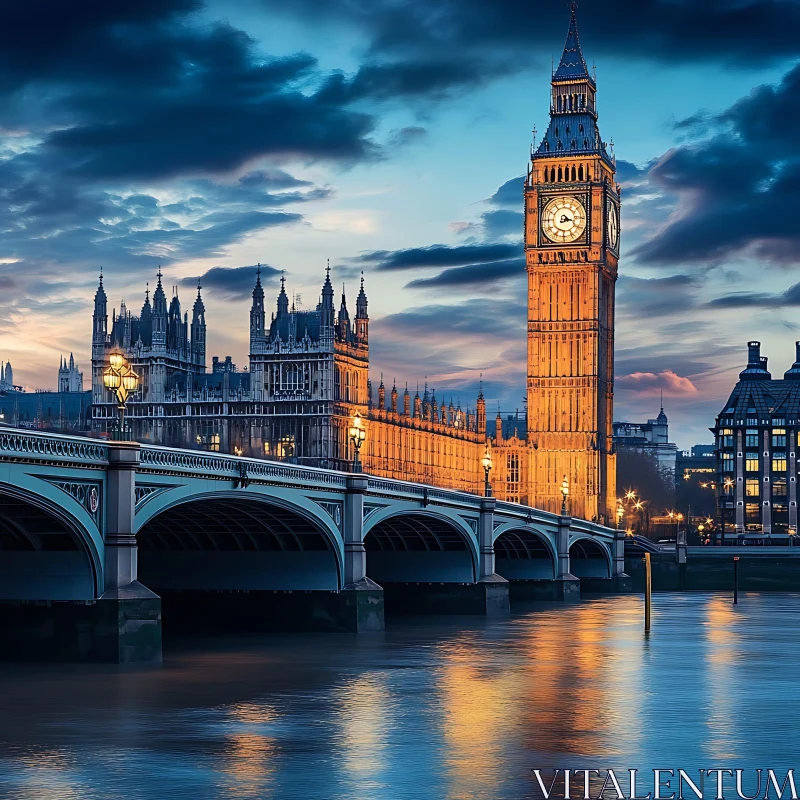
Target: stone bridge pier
[[99, 541]]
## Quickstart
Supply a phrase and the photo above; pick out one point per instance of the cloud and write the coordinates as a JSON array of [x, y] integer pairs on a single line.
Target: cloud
[[655, 297], [652, 384], [474, 275], [738, 187], [460, 341], [438, 255], [490, 35], [233, 283], [791, 297], [509, 194]]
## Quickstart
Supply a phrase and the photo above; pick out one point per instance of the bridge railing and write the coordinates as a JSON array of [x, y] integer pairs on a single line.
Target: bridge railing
[[197, 462], [41, 447]]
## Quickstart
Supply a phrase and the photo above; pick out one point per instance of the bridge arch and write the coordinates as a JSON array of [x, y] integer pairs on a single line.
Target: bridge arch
[[231, 540], [48, 553], [588, 558], [417, 545], [523, 553]]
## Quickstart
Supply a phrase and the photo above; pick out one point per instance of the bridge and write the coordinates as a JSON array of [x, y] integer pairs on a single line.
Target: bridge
[[96, 535]]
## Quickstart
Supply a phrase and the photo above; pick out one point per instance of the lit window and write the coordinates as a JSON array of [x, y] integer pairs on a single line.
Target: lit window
[[779, 437], [779, 488], [779, 462], [777, 421], [751, 438], [727, 462], [751, 487], [751, 462]]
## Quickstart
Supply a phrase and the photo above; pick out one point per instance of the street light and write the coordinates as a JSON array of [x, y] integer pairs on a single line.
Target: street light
[[357, 436], [564, 495], [120, 378], [792, 534], [486, 462]]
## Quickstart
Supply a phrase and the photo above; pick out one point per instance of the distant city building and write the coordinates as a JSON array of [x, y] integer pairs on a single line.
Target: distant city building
[[651, 438], [700, 461], [6, 377], [757, 434], [70, 378]]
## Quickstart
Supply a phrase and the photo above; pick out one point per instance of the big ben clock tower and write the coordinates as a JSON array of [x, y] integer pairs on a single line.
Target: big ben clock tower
[[571, 251]]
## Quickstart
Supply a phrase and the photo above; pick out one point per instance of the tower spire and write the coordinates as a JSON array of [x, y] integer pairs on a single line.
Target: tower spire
[[572, 65]]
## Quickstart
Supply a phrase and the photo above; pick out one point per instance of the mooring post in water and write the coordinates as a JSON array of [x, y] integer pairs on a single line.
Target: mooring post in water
[[735, 580], [648, 591]]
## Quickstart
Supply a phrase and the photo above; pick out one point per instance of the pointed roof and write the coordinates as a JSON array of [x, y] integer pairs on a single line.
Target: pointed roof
[[572, 65], [258, 290]]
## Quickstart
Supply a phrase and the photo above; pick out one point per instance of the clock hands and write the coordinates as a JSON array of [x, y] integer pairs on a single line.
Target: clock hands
[[565, 218]]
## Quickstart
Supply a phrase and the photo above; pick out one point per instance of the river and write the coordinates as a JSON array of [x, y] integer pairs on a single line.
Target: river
[[439, 708]]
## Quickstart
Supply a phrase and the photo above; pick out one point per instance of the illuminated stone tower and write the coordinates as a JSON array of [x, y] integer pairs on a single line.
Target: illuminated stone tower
[[571, 249]]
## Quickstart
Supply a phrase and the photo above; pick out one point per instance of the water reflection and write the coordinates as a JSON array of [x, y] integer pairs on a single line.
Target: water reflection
[[451, 708]]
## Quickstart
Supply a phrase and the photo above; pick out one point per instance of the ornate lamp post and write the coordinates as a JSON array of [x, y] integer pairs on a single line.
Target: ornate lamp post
[[486, 463], [564, 495], [357, 436], [119, 377]]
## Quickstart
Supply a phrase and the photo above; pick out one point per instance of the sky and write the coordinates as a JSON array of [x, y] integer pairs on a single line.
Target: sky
[[390, 136]]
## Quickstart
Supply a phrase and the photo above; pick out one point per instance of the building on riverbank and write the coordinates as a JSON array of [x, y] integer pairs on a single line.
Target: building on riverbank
[[757, 434]]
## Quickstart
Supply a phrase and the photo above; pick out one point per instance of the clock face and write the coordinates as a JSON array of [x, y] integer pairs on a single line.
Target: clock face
[[613, 225], [564, 220]]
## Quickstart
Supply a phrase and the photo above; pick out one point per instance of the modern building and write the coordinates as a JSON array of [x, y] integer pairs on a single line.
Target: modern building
[[757, 434], [698, 462], [70, 378], [6, 377], [651, 438], [308, 371]]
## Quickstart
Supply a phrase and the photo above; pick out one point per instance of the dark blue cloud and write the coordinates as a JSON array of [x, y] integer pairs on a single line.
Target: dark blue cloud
[[509, 195], [739, 185], [438, 255], [790, 297], [473, 275], [235, 283]]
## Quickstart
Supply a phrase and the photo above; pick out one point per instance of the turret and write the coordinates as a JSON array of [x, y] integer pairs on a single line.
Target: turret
[[146, 319], [381, 395], [283, 299], [443, 414], [343, 322], [498, 428], [362, 318], [159, 315], [407, 402], [199, 330], [417, 404], [793, 374], [257, 312], [327, 311], [434, 406], [394, 397], [100, 316], [481, 413], [756, 369]]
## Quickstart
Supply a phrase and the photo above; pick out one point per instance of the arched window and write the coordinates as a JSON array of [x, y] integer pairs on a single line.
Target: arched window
[[574, 174], [546, 146], [560, 175], [585, 144], [580, 172]]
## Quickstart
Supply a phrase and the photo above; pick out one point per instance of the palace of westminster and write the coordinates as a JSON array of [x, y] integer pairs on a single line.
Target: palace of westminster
[[308, 372]]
